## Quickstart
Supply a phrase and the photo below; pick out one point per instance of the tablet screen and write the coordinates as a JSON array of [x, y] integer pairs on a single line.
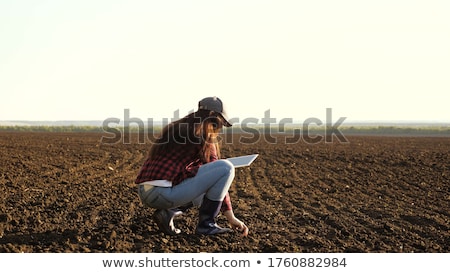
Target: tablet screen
[[242, 161]]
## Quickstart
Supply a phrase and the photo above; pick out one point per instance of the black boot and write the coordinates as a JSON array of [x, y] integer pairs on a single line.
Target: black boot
[[185, 207], [164, 219], [206, 219]]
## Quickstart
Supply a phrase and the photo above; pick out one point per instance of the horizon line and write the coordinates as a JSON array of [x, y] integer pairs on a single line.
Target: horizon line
[[99, 122]]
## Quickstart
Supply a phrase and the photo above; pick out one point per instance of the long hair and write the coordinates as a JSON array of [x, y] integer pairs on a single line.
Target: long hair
[[198, 130]]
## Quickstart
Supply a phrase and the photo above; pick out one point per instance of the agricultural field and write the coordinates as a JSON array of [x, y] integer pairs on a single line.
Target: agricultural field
[[71, 192]]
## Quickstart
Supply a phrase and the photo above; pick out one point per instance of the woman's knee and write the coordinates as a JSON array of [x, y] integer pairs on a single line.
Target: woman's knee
[[226, 166]]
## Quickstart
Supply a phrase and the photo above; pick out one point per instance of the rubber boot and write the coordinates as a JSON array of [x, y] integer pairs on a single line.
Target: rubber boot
[[185, 207], [164, 219], [208, 211]]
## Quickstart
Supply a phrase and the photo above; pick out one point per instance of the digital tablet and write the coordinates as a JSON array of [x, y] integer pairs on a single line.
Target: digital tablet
[[242, 161]]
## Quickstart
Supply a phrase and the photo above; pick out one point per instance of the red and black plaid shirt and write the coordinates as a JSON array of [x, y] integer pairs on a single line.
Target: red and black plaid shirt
[[176, 166]]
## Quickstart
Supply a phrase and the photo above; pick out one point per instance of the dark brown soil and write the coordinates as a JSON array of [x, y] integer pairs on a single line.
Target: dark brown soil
[[68, 192]]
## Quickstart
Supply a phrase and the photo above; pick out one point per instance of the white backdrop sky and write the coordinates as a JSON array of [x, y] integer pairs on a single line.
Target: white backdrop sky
[[91, 59]]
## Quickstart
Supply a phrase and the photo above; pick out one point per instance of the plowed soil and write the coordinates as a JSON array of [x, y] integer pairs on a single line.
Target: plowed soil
[[69, 192]]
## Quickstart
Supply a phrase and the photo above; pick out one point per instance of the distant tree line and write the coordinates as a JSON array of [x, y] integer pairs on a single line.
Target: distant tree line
[[45, 128], [349, 130]]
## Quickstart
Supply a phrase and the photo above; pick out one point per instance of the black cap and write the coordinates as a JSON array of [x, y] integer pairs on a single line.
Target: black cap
[[216, 105]]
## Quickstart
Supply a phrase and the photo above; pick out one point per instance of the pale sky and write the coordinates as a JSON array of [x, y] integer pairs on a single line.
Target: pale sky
[[90, 60]]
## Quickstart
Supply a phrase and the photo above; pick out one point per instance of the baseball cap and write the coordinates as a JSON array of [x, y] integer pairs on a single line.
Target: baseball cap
[[216, 105]]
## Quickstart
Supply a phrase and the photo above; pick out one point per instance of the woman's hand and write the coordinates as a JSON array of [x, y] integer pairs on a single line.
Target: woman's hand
[[236, 223]]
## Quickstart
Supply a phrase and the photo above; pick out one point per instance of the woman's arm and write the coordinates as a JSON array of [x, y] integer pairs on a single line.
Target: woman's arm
[[236, 223], [227, 210]]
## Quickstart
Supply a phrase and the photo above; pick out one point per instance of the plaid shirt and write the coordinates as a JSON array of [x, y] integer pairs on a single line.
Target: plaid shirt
[[176, 166]]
